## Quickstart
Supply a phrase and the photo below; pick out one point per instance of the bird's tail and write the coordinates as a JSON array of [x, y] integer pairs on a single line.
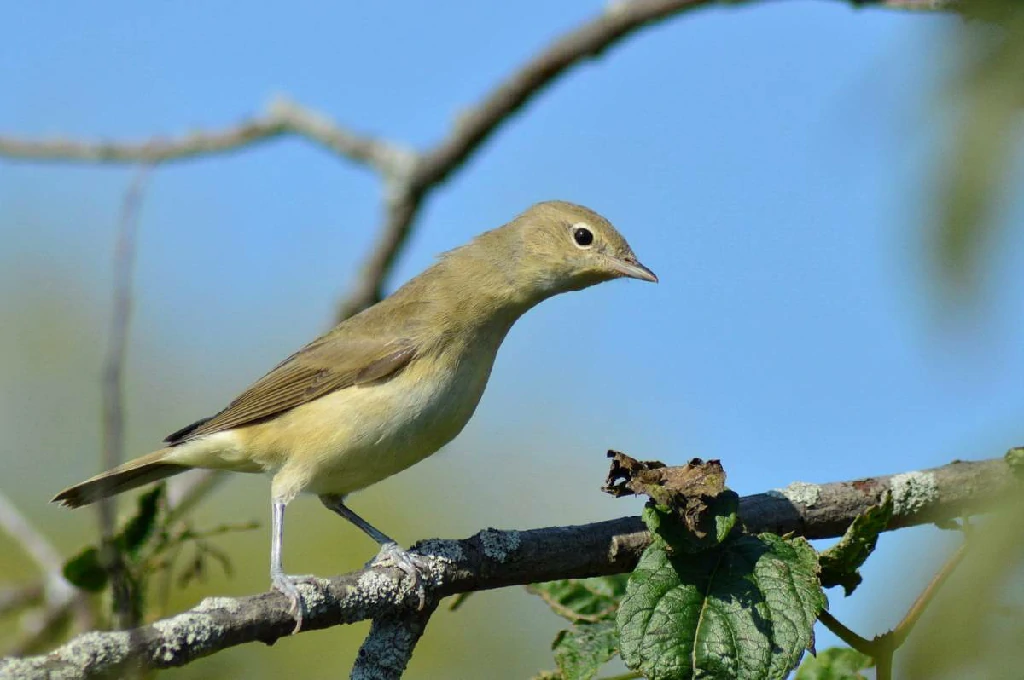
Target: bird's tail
[[143, 470]]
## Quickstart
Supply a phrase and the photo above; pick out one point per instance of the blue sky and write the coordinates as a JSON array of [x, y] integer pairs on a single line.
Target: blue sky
[[773, 163]]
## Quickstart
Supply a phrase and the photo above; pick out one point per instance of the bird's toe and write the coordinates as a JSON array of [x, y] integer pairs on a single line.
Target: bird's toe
[[415, 566], [287, 585]]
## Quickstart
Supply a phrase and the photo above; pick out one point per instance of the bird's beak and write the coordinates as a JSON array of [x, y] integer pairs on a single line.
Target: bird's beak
[[629, 266]]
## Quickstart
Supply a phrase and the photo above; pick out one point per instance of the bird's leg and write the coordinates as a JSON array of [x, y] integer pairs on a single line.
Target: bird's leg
[[285, 583], [414, 566]]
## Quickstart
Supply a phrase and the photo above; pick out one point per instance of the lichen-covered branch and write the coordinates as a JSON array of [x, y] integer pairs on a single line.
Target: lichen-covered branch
[[495, 559], [388, 648]]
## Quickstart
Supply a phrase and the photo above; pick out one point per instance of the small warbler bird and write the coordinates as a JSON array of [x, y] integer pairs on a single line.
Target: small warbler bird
[[391, 385]]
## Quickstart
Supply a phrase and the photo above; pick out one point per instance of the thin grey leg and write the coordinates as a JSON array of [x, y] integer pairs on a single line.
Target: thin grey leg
[[416, 567], [276, 538], [337, 504], [281, 581]]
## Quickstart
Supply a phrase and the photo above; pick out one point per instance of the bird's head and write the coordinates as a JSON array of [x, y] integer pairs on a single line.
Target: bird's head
[[564, 246]]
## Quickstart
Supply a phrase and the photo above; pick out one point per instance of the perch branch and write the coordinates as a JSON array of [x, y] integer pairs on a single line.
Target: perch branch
[[495, 559]]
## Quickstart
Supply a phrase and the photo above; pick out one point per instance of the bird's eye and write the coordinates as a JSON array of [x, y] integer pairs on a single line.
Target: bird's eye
[[583, 237]]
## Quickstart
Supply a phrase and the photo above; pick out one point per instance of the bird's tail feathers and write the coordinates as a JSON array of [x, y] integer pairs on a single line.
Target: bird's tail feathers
[[134, 473]]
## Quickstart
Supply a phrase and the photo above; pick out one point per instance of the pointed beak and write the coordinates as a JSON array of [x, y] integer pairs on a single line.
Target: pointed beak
[[629, 266]]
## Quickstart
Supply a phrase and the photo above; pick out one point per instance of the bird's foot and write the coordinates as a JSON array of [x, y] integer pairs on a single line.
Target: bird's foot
[[287, 585], [412, 565]]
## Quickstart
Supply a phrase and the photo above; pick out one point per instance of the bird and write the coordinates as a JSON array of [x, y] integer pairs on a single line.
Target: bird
[[389, 386]]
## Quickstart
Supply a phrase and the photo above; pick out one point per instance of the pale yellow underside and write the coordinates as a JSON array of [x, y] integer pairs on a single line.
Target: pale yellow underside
[[355, 437]]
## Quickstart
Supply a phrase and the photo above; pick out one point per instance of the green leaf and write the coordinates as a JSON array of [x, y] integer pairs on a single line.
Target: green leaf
[[140, 527], [839, 564], [582, 650], [85, 571], [835, 663], [589, 599], [704, 524], [743, 611]]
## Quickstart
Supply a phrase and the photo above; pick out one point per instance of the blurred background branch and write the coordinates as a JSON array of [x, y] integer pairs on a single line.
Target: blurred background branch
[[409, 177], [59, 599], [125, 613]]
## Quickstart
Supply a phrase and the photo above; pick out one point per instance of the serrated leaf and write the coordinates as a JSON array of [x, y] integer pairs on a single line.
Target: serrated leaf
[[588, 599], [707, 525], [85, 571], [744, 610], [835, 663], [140, 527], [840, 563], [581, 651]]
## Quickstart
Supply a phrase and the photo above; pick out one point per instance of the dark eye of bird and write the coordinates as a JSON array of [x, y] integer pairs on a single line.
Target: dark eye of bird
[[583, 236]]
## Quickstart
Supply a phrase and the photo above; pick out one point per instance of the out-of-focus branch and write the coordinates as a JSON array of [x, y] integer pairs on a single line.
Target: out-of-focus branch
[[912, 5], [59, 598], [883, 647], [282, 117], [37, 546], [495, 559], [113, 391], [16, 598], [405, 193], [409, 176]]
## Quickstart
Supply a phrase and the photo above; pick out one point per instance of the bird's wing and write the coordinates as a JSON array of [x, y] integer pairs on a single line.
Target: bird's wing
[[332, 362]]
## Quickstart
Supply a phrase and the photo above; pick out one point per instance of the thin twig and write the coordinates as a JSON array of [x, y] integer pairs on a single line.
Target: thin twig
[[839, 629], [882, 648], [912, 5], [113, 389], [282, 117], [904, 628]]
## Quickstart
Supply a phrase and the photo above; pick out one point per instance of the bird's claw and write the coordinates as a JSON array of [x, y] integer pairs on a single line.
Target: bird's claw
[[412, 565], [287, 585]]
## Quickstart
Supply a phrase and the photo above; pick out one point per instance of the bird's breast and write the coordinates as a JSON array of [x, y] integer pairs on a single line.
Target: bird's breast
[[357, 436]]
